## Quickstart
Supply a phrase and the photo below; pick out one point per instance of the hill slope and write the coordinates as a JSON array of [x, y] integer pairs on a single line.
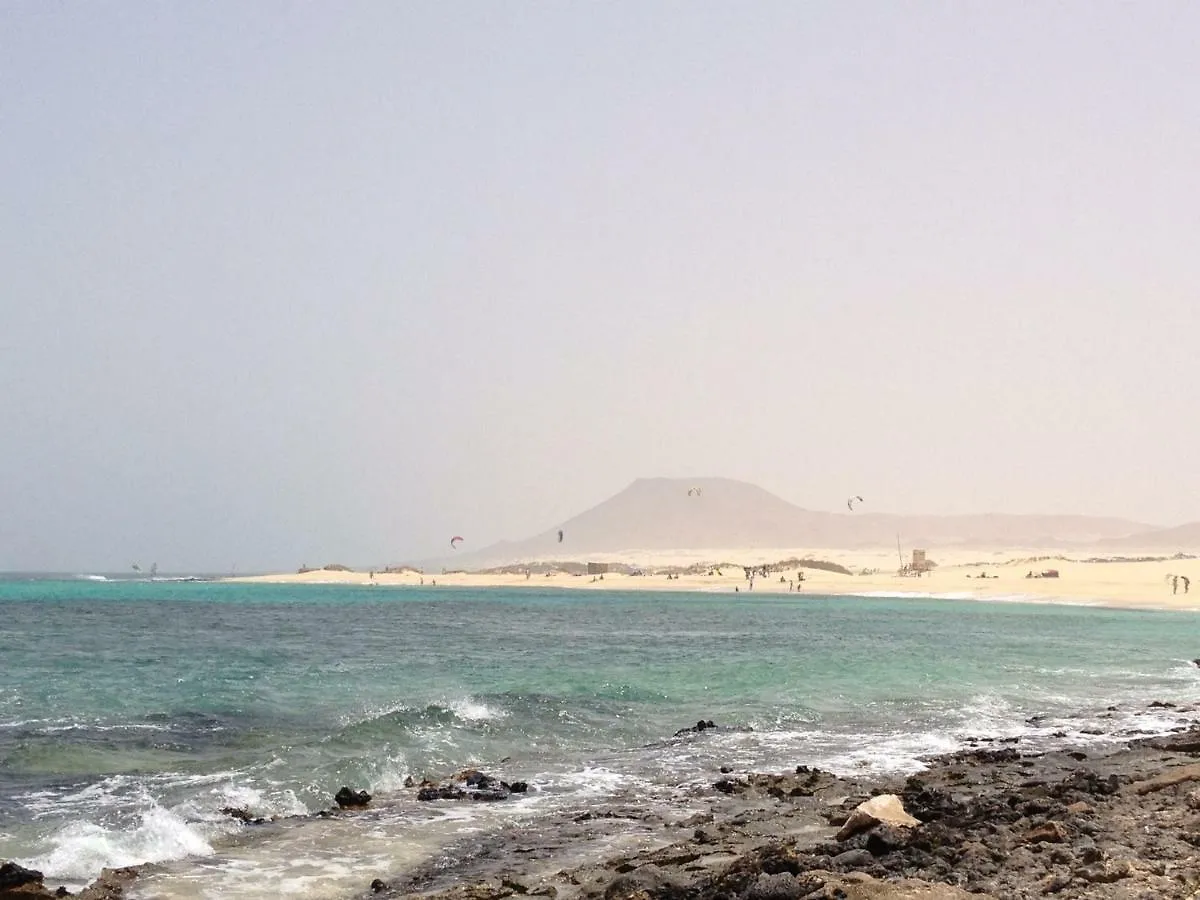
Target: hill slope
[[1182, 538], [667, 514]]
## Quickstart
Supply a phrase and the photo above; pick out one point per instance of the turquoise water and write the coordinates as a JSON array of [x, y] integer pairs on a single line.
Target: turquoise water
[[131, 712]]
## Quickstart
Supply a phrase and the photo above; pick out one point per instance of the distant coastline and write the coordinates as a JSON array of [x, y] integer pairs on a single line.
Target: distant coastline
[[1133, 581]]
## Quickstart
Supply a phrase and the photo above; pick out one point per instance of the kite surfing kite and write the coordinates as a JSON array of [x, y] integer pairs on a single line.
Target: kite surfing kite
[[851, 501], [694, 491], [455, 541]]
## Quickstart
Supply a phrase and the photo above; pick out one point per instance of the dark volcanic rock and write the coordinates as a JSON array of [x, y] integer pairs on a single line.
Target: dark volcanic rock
[[440, 793], [242, 815], [992, 824], [110, 885], [702, 725], [346, 797], [472, 784], [13, 875], [1184, 742]]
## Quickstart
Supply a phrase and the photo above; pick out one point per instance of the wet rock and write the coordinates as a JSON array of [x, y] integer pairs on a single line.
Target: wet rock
[[14, 876], [110, 885], [379, 885], [978, 757], [440, 793], [349, 798], [242, 815], [702, 725], [517, 787], [27, 890], [1183, 742], [492, 795], [476, 779]]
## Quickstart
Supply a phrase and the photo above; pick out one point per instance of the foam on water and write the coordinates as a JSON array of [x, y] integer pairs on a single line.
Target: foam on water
[[79, 850], [274, 697], [472, 710]]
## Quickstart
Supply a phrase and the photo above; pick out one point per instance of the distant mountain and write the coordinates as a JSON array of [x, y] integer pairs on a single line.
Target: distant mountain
[[1181, 539], [656, 514]]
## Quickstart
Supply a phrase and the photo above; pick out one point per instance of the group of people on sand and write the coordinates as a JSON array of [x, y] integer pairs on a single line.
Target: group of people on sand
[[793, 585], [1175, 579], [753, 572]]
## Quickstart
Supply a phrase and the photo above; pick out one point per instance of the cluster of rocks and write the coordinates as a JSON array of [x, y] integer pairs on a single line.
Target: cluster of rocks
[[469, 784], [996, 821], [20, 883], [991, 821]]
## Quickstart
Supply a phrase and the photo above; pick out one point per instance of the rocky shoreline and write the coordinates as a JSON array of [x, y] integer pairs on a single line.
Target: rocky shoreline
[[996, 821]]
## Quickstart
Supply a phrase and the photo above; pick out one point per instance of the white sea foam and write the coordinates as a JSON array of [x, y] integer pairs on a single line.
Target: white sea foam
[[123, 726], [390, 772], [471, 710], [256, 801], [81, 849]]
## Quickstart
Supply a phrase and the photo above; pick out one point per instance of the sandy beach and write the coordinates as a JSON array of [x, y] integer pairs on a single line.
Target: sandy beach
[[1131, 580]]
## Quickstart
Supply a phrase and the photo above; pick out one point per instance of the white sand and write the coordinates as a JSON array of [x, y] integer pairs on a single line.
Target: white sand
[[1113, 583]]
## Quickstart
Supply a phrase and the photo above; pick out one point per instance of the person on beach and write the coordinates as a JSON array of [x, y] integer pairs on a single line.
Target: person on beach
[[1187, 583]]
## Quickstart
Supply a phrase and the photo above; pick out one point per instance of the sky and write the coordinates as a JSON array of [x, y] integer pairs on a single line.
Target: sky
[[288, 283]]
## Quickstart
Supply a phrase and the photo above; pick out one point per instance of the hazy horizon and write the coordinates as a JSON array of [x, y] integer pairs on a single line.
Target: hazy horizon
[[297, 284]]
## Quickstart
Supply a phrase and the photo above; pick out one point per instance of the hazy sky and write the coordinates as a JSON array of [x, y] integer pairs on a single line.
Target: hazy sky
[[298, 282]]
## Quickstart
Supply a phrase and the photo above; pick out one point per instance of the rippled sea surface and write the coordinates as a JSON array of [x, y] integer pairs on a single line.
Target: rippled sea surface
[[132, 712]]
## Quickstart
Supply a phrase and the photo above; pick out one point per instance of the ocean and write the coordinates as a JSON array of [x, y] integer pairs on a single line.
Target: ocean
[[132, 712]]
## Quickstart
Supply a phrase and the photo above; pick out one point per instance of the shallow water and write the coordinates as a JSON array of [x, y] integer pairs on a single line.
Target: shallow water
[[132, 712]]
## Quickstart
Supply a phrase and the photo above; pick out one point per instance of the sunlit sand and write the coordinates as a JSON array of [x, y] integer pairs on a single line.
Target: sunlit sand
[[1083, 578]]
